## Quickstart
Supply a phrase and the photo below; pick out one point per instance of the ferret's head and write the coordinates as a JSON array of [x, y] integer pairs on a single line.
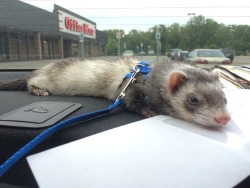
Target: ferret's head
[[196, 96]]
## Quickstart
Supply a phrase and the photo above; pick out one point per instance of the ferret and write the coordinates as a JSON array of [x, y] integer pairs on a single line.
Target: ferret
[[171, 88]]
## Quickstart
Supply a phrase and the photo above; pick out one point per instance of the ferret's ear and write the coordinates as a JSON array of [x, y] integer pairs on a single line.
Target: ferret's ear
[[215, 74], [175, 80]]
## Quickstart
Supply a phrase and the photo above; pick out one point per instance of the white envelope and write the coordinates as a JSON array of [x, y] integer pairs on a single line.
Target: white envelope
[[157, 152]]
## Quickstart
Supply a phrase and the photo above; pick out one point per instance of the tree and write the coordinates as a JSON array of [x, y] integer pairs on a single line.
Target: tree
[[199, 32], [112, 41], [173, 35], [241, 36], [224, 36]]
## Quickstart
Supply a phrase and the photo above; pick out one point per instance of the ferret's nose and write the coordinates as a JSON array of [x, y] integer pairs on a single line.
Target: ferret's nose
[[222, 120]]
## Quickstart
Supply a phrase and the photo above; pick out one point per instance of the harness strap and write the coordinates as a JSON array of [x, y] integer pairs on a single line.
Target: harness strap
[[61, 125], [144, 69]]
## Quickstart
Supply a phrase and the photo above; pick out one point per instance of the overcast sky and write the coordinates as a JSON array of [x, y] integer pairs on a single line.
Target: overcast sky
[[142, 15]]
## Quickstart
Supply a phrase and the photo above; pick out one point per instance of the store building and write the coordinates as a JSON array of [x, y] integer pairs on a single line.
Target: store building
[[30, 33]]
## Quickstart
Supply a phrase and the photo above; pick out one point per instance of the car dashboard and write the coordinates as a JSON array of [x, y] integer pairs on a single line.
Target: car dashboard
[[13, 138]]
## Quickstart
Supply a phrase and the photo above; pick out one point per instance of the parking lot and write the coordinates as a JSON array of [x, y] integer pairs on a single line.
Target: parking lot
[[241, 60], [36, 64]]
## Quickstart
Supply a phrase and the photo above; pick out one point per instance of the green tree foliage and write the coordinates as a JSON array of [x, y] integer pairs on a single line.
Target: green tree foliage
[[198, 32], [112, 41], [241, 35]]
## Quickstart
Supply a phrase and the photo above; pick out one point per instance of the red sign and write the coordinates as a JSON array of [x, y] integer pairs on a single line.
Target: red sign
[[73, 25]]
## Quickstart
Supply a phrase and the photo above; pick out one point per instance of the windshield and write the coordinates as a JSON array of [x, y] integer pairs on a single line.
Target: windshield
[[53, 29], [210, 53], [86, 52]]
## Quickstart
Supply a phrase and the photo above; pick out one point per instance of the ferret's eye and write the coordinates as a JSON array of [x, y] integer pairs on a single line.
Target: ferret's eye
[[193, 100], [225, 100]]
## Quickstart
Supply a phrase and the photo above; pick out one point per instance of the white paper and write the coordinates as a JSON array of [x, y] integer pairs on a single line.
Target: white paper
[[155, 152]]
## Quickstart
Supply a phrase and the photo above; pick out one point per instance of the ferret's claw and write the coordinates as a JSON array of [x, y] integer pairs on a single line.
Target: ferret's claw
[[40, 92]]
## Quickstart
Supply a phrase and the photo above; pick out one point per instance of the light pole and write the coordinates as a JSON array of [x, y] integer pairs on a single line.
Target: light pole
[[191, 15], [124, 45], [158, 43], [118, 37], [81, 39], [141, 49]]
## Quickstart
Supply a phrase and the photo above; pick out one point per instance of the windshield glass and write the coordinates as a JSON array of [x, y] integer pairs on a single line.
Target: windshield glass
[[50, 30], [210, 53]]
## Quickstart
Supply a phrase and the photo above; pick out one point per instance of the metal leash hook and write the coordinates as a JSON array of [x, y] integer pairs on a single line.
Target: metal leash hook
[[136, 70]]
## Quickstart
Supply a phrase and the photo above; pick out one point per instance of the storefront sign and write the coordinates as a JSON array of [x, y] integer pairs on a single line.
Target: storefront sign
[[73, 25]]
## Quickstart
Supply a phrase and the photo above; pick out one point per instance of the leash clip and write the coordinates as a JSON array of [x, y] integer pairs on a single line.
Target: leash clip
[[136, 70], [138, 67]]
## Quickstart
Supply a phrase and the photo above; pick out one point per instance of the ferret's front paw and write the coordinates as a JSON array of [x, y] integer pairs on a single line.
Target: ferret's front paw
[[44, 93], [146, 112], [40, 92]]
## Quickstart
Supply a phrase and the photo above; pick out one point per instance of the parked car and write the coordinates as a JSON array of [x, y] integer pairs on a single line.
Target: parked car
[[228, 53], [182, 55], [206, 56], [174, 54], [169, 53], [142, 52], [151, 52], [128, 53]]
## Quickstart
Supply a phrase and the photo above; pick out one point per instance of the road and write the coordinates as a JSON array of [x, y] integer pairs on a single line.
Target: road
[[238, 61], [36, 64], [241, 60]]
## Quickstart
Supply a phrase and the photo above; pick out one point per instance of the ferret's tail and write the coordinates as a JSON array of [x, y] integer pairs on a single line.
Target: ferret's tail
[[16, 85]]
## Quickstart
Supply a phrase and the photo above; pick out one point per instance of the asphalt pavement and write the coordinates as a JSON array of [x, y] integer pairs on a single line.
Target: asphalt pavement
[[36, 64]]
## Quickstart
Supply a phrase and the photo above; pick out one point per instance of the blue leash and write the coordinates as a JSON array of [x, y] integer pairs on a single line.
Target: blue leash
[[140, 68], [50, 131]]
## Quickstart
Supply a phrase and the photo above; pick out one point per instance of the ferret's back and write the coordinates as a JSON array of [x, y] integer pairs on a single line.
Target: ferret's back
[[83, 77]]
